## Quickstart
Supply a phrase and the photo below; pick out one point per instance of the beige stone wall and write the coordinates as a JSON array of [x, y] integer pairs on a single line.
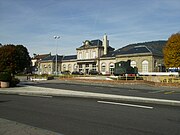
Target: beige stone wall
[[89, 53], [104, 65], [69, 65], [48, 67], [138, 59]]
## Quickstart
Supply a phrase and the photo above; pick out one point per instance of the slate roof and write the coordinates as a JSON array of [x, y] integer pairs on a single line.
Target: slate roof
[[52, 58], [134, 50], [154, 47], [93, 43], [70, 57], [41, 56], [96, 42]]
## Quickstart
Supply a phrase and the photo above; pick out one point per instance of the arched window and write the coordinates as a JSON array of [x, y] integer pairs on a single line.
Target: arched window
[[103, 67], [75, 67], [111, 68], [69, 67], [64, 67], [133, 64], [145, 66]]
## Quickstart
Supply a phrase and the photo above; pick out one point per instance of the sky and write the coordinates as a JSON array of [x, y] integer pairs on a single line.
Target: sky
[[34, 23]]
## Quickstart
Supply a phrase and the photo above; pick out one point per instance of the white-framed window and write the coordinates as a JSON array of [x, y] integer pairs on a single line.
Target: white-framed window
[[94, 66], [75, 67], [111, 68], [80, 68], [93, 54], [64, 67], [87, 55], [80, 55], [133, 64], [87, 65], [103, 67], [87, 68], [145, 66], [69, 67]]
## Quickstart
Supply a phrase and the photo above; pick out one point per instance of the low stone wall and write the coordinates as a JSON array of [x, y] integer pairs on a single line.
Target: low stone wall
[[162, 79]]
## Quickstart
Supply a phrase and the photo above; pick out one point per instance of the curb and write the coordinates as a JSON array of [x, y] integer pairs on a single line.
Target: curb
[[39, 91]]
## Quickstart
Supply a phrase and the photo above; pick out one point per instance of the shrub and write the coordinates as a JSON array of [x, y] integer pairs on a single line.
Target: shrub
[[5, 77], [14, 82], [130, 78], [44, 75]]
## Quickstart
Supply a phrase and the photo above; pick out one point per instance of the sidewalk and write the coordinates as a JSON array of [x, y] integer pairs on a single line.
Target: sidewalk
[[48, 92], [8, 127]]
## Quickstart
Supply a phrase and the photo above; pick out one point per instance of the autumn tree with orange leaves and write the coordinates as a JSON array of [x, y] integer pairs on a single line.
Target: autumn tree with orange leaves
[[172, 51]]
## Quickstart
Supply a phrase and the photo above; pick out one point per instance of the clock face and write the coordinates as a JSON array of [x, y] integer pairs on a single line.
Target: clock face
[[86, 43]]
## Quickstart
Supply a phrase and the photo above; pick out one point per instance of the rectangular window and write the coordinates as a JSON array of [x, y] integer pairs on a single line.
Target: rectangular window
[[87, 65], [94, 66], [80, 55], [80, 68], [80, 65], [145, 68], [87, 55], [94, 54]]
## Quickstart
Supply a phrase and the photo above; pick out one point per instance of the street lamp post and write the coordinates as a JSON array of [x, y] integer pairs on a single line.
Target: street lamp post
[[56, 66]]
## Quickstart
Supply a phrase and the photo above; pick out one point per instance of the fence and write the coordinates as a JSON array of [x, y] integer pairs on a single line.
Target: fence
[[162, 79]]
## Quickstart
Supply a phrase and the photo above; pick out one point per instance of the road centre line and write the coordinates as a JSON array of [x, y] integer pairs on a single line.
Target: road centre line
[[123, 104]]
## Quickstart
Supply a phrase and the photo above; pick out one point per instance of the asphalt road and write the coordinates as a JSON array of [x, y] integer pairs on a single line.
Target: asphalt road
[[74, 116], [127, 89]]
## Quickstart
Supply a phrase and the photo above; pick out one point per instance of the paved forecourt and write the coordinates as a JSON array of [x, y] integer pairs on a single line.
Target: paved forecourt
[[8, 127]]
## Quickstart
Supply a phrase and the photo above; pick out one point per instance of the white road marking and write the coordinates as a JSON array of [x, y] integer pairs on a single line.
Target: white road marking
[[35, 95], [123, 104], [99, 87], [157, 91], [169, 92]]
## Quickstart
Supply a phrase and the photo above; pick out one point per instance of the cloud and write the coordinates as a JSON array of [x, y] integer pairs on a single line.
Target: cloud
[[34, 23]]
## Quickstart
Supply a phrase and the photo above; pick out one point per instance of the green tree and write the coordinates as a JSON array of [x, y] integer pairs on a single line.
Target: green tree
[[14, 59], [172, 51], [23, 59], [7, 55]]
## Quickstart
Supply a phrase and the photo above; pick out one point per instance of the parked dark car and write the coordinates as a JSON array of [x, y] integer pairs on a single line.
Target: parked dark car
[[66, 72], [93, 72], [77, 73]]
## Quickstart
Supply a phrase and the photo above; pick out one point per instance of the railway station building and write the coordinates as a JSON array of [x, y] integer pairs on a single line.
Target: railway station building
[[99, 56]]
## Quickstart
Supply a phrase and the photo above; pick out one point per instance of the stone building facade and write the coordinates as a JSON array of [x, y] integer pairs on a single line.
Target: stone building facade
[[100, 56]]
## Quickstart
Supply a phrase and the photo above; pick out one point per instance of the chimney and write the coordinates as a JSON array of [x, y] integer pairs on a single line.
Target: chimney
[[105, 44]]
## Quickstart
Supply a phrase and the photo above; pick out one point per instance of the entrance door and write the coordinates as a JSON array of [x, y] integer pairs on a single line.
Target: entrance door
[[87, 69]]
